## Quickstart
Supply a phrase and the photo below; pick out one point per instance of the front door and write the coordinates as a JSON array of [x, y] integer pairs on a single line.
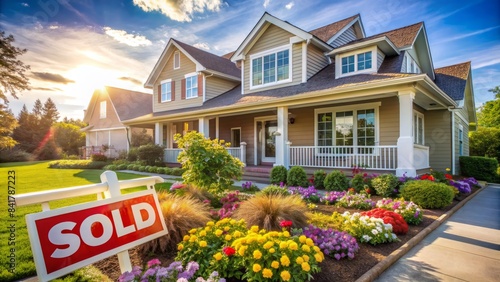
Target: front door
[[268, 144]]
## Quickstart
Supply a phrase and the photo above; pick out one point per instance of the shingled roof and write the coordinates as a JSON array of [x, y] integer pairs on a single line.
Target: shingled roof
[[401, 37], [210, 61], [130, 104], [328, 31], [453, 79]]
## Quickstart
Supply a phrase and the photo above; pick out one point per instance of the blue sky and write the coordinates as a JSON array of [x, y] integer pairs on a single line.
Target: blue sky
[[75, 46]]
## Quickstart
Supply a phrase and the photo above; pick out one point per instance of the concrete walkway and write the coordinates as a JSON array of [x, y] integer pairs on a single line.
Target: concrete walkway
[[466, 247]]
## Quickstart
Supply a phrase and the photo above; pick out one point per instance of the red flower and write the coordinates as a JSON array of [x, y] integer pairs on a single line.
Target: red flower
[[286, 223], [448, 176], [352, 190], [399, 225], [229, 251]]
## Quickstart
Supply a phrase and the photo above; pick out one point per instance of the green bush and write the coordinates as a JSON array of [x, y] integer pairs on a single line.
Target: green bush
[[153, 169], [278, 175], [133, 154], [485, 142], [168, 170], [336, 181], [122, 166], [428, 194], [99, 157], [481, 168], [177, 171], [110, 167], [76, 164], [151, 154], [358, 182], [160, 170], [137, 167], [131, 166], [297, 176], [319, 179], [142, 168], [275, 190], [384, 184], [15, 155]]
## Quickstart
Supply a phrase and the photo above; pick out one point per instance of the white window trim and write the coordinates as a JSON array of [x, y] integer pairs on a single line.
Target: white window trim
[[235, 128], [186, 76], [415, 138], [268, 52], [179, 54], [161, 96], [409, 59], [460, 138], [338, 62], [102, 110], [354, 108]]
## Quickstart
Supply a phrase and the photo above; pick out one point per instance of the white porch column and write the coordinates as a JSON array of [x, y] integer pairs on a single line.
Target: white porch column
[[217, 127], [159, 133], [203, 126], [243, 147], [282, 136], [170, 137], [405, 140]]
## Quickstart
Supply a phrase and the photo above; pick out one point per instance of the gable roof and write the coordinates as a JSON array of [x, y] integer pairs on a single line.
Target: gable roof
[[453, 79], [328, 31], [401, 37], [127, 104], [205, 61], [228, 55]]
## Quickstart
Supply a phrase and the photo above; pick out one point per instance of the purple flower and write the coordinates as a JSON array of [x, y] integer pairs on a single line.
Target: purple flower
[[127, 276], [153, 262]]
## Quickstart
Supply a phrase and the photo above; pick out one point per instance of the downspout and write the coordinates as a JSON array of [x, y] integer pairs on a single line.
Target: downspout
[[128, 139], [451, 110], [205, 87]]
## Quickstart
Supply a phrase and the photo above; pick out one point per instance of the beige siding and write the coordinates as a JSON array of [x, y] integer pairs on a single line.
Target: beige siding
[[116, 139], [389, 121], [437, 127], [465, 140], [168, 72], [216, 86], [380, 58], [346, 37], [316, 61], [275, 37], [111, 119]]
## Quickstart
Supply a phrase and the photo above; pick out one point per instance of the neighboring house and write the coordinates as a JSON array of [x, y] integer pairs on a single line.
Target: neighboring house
[[107, 109], [328, 98]]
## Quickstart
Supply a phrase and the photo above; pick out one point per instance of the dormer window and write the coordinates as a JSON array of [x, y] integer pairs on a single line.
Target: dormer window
[[355, 62], [177, 60], [411, 65], [270, 67]]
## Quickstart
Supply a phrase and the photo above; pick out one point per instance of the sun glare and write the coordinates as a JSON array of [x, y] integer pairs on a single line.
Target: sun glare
[[88, 79]]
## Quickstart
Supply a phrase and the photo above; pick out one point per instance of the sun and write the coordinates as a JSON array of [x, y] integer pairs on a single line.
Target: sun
[[87, 79]]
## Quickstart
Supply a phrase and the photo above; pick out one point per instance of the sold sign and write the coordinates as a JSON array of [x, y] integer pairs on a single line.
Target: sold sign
[[69, 238]]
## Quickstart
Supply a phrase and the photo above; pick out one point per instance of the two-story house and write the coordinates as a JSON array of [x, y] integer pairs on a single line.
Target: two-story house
[[327, 98]]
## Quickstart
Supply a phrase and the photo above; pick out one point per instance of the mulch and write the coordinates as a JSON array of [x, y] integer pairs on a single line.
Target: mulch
[[331, 269]]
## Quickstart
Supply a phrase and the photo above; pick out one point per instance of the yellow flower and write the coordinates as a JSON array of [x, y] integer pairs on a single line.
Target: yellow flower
[[448, 169], [305, 266], [256, 267], [268, 245], [257, 254], [285, 275], [228, 237], [299, 260], [218, 256], [203, 233], [267, 273], [208, 228], [261, 239], [210, 223], [286, 233], [218, 232], [186, 238], [318, 257], [192, 231], [180, 247], [203, 244], [283, 245], [237, 234], [309, 242], [193, 238], [316, 249], [306, 258], [272, 250], [306, 248], [302, 239], [275, 264], [232, 221], [293, 246], [241, 251], [226, 228], [285, 261], [254, 228]]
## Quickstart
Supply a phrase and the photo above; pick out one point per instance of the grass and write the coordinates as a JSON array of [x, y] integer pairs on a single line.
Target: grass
[[34, 177]]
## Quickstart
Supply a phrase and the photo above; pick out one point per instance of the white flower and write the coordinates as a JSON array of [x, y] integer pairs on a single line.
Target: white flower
[[374, 231], [386, 235], [367, 238], [394, 237]]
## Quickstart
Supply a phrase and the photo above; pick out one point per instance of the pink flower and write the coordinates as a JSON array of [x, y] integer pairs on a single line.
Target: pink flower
[[153, 262], [177, 185]]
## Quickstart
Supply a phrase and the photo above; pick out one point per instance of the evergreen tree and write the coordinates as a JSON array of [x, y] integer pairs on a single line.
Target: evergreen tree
[[489, 114], [7, 124]]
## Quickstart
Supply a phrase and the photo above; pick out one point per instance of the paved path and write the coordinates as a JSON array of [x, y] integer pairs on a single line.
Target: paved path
[[466, 247]]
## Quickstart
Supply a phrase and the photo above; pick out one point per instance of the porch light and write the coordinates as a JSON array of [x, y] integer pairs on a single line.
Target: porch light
[[291, 118]]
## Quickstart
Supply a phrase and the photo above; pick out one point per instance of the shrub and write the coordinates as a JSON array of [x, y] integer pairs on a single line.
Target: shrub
[[322, 220], [399, 225], [266, 211], [142, 168], [150, 154], [77, 164], [275, 190], [137, 167], [319, 179], [181, 214], [428, 194], [358, 182], [98, 157], [168, 170], [122, 166], [410, 211], [297, 177], [336, 181], [131, 166], [153, 169], [368, 229], [385, 184], [207, 163], [176, 171], [110, 167], [480, 168], [133, 155], [15, 155], [333, 243], [278, 175]]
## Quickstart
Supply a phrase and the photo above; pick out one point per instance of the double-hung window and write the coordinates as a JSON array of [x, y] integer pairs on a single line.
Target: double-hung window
[[418, 128], [191, 86], [166, 90], [270, 68], [362, 61]]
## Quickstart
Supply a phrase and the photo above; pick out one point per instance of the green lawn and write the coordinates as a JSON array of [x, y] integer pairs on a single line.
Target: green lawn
[[36, 176]]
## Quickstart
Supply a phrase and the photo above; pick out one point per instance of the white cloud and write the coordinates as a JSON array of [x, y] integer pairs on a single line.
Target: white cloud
[[290, 5], [462, 36], [266, 3], [202, 45], [53, 26], [130, 39], [179, 10], [25, 4]]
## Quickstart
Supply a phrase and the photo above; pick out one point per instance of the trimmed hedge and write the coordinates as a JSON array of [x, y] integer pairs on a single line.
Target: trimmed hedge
[[77, 164], [481, 168], [336, 181], [428, 194], [278, 175], [297, 176]]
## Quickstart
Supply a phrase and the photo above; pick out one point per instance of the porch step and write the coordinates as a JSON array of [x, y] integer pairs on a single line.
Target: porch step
[[257, 174]]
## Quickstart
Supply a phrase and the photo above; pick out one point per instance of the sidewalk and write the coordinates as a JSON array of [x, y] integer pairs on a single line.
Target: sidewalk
[[464, 248]]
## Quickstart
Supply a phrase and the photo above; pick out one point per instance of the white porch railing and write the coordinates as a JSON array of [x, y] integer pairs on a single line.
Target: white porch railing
[[420, 156], [171, 155], [372, 157]]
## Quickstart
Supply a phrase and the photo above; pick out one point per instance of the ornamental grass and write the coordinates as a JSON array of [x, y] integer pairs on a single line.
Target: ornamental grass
[[181, 214], [267, 211]]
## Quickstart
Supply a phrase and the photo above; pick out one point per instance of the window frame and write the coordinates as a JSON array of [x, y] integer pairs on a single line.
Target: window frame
[[102, 109], [166, 81], [177, 59], [374, 59], [412, 65], [354, 108], [233, 130], [263, 54], [460, 140], [415, 130], [193, 75]]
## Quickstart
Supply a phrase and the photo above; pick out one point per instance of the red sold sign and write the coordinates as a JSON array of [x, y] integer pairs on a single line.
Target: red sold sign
[[69, 238]]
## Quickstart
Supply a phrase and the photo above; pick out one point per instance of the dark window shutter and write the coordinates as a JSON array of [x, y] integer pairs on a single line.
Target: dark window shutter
[[183, 89], [172, 87], [159, 93], [200, 85]]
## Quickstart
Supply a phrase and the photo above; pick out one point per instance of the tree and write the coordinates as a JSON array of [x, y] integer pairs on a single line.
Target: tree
[[141, 138], [7, 125], [69, 137], [207, 163], [485, 142], [489, 116], [77, 122]]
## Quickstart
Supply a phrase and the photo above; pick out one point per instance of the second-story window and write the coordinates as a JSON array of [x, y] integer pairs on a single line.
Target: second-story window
[[191, 86], [357, 62], [270, 68], [166, 91], [177, 60]]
